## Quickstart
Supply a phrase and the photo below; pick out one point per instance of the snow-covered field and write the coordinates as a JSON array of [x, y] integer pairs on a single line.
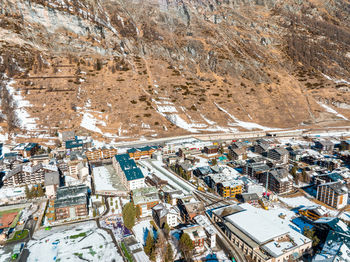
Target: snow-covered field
[[65, 244]]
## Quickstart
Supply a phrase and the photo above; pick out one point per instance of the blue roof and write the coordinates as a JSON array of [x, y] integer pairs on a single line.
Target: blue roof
[[129, 167], [30, 146], [145, 148], [11, 154], [74, 143], [122, 157], [133, 174], [132, 150]]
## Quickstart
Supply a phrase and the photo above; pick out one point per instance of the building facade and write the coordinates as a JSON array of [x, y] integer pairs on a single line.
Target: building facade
[[71, 202], [334, 194], [131, 176]]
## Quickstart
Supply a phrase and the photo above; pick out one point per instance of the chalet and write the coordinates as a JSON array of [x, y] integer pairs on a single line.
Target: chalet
[[100, 153], [324, 145], [345, 145], [190, 209], [251, 198], [314, 212], [278, 154], [172, 195], [186, 167], [154, 180], [135, 249], [238, 154], [145, 199], [337, 243], [203, 171], [211, 150], [129, 173], [236, 145], [166, 213], [197, 235], [261, 146], [208, 227], [141, 152], [334, 194], [26, 149], [188, 152], [71, 202]]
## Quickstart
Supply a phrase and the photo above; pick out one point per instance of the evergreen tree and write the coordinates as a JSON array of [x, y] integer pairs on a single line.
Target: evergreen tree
[[138, 212], [295, 174], [168, 199], [33, 192], [169, 253], [129, 214], [40, 192], [166, 230], [27, 192], [310, 233], [186, 245], [149, 244], [304, 176]]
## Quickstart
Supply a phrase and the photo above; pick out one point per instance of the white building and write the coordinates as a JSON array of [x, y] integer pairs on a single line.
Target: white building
[[260, 234], [166, 213], [131, 176]]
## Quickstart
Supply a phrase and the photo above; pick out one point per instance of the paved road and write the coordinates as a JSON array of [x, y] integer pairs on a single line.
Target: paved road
[[236, 135]]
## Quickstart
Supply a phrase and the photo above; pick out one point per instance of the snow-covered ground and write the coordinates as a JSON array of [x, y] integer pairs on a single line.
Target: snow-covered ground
[[7, 194], [140, 229], [25, 121], [4, 256], [332, 111], [296, 201], [246, 125], [90, 123], [64, 244]]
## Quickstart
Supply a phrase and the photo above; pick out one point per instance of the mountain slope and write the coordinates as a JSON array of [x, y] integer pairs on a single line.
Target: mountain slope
[[126, 69]]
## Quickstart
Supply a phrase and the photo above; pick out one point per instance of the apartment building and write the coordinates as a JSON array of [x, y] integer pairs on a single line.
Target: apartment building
[[27, 174], [71, 202], [131, 176], [334, 194]]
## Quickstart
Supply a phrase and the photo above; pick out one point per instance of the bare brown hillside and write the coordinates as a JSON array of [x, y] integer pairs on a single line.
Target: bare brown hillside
[[128, 69]]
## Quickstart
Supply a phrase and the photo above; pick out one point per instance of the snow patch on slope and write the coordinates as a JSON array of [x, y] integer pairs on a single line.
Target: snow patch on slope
[[246, 125], [331, 110], [25, 121]]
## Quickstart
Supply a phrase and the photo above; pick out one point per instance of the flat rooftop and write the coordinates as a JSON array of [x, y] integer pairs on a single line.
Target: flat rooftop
[[257, 225], [106, 179]]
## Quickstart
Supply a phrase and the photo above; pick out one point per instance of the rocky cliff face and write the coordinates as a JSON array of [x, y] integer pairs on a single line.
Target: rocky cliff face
[[125, 69]]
